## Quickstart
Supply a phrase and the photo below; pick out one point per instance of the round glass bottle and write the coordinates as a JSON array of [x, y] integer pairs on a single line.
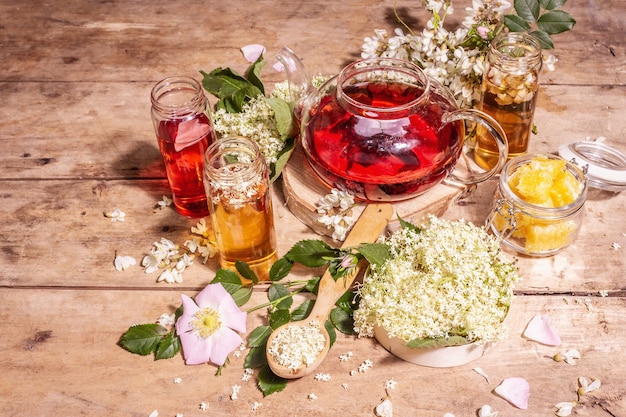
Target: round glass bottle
[[509, 93], [181, 118], [237, 185], [539, 213]]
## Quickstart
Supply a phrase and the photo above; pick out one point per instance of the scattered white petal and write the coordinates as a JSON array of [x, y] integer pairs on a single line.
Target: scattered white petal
[[312, 397], [165, 202], [482, 373], [515, 390], [603, 293], [540, 330], [256, 405], [179, 414], [166, 319], [345, 357], [390, 384], [568, 357], [344, 386], [615, 246], [448, 415], [564, 409], [384, 409], [122, 263], [322, 377], [155, 413], [586, 387], [177, 380], [234, 392], [252, 52], [116, 215], [204, 406], [486, 411]]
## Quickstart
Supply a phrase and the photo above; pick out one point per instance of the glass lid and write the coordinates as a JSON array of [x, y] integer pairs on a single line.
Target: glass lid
[[604, 166]]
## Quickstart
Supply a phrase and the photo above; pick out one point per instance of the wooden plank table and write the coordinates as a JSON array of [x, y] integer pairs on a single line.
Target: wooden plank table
[[77, 141]]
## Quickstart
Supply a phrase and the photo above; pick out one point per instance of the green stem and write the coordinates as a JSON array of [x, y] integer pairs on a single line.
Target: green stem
[[277, 301]]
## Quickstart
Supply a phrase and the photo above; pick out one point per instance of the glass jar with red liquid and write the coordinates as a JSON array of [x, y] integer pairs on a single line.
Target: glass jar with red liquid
[[181, 117]]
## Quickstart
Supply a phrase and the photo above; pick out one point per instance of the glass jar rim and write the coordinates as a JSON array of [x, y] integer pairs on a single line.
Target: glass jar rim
[[240, 144], [176, 83], [535, 210]]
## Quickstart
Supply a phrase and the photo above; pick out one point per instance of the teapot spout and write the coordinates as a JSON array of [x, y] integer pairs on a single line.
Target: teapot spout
[[297, 78]]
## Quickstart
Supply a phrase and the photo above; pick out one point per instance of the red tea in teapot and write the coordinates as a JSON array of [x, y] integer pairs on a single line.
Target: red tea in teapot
[[368, 139]]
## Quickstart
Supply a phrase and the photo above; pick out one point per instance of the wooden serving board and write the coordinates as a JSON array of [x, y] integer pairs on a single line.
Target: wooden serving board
[[303, 188]]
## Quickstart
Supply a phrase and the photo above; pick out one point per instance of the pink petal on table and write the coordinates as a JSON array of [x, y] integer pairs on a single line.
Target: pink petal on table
[[515, 390], [252, 52], [540, 330]]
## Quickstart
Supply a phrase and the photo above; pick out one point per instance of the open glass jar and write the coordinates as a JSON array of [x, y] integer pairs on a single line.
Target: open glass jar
[[525, 221]]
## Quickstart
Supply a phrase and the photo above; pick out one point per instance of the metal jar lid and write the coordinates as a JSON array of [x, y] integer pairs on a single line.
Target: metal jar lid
[[604, 166]]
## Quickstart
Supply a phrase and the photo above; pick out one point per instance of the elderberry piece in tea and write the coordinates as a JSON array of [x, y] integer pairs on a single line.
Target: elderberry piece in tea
[[183, 127], [238, 190]]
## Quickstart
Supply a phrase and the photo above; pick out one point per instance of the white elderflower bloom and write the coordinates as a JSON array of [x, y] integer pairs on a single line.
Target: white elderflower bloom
[[166, 320], [164, 202]]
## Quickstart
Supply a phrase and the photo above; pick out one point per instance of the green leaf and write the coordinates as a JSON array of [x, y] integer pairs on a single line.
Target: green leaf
[[527, 9], [516, 23], [303, 310], [255, 358], [234, 103], [226, 276], [280, 269], [313, 285], [552, 4], [345, 302], [258, 337], [270, 383], [342, 321], [332, 334], [285, 121], [311, 253], [242, 295], [143, 339], [253, 74], [282, 159], [408, 225], [556, 21], [245, 271], [279, 317], [544, 39], [168, 347], [437, 342], [375, 253], [278, 291]]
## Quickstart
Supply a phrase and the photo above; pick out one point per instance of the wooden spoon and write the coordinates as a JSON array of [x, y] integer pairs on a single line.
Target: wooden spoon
[[367, 229]]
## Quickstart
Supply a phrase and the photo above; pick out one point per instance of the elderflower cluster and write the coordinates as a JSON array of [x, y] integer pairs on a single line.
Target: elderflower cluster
[[456, 59], [165, 256], [256, 121], [449, 276]]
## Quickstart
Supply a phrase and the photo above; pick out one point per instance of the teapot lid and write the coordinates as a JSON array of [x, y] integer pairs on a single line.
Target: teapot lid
[[604, 166]]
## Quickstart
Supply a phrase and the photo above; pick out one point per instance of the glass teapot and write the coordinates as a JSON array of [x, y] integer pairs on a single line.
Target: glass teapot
[[382, 130]]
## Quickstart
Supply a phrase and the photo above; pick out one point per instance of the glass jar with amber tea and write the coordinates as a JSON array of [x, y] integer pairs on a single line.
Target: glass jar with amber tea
[[538, 206], [237, 186], [181, 117], [509, 94]]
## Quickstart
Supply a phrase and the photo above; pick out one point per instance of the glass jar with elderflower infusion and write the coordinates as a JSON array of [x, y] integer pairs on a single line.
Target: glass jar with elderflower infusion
[[181, 117], [237, 186], [538, 206], [509, 94]]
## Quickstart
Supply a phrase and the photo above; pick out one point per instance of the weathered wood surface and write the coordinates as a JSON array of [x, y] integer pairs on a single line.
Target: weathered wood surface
[[77, 140]]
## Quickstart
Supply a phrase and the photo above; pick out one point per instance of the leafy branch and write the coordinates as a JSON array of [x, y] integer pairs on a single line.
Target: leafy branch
[[541, 18]]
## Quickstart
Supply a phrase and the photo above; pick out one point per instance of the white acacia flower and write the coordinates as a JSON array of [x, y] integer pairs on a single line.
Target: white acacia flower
[[564, 409], [486, 411], [585, 387], [122, 263], [116, 215], [568, 357]]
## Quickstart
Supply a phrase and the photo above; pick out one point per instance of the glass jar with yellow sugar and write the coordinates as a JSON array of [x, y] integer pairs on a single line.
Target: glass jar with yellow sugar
[[539, 204]]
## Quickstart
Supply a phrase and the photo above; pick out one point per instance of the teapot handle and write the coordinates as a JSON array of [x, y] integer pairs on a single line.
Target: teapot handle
[[496, 131]]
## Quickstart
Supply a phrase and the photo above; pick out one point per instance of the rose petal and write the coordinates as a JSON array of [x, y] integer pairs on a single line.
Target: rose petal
[[515, 390], [252, 52], [540, 330], [195, 349], [189, 310], [223, 342]]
